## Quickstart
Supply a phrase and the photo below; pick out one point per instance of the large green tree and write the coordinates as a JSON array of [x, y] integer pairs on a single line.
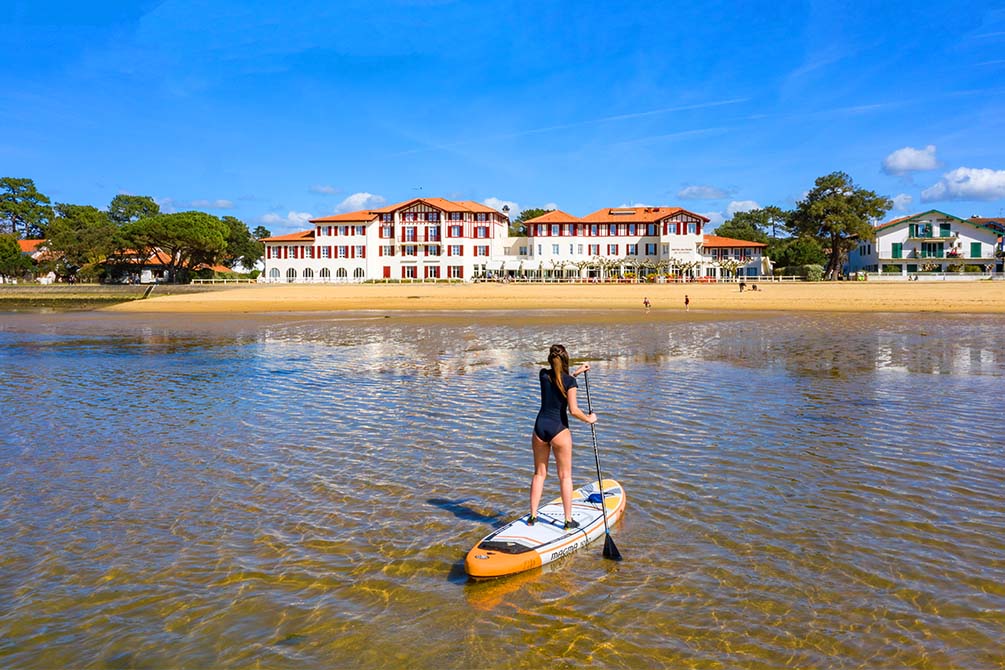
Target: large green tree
[[742, 227], [756, 225], [13, 263], [517, 227], [795, 251], [242, 247], [81, 237], [839, 214], [23, 210], [126, 208], [187, 239]]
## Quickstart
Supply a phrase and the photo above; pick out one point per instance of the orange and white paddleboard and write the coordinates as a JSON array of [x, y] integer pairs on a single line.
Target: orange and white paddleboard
[[519, 546]]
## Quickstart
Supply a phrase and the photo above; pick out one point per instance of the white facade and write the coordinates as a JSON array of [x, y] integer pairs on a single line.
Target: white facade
[[436, 239], [932, 241], [427, 238]]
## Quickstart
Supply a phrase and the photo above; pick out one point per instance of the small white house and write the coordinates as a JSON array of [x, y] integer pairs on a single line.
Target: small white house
[[931, 241]]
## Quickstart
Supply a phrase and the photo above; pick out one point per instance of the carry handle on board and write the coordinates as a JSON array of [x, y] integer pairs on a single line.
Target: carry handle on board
[[610, 549]]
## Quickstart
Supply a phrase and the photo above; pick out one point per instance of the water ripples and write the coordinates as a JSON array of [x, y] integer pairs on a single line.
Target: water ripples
[[806, 491]]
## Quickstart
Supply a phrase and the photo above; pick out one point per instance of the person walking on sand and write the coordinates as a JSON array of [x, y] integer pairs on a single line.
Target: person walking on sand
[[687, 303], [551, 433], [646, 303]]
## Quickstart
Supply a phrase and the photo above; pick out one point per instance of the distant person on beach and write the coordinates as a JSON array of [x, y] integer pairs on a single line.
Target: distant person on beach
[[551, 429], [646, 303], [687, 303]]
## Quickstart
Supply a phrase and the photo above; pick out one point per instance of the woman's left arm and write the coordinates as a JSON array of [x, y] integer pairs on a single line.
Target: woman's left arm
[[578, 413]]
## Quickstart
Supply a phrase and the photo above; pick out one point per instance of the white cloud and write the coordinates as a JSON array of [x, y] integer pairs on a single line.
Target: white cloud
[[741, 206], [293, 220], [549, 205], [902, 202], [910, 159], [323, 189], [634, 204], [359, 201], [213, 204], [965, 183], [496, 203], [167, 205], [714, 219], [699, 192]]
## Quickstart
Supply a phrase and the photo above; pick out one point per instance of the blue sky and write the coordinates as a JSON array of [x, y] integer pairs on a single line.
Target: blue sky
[[277, 113]]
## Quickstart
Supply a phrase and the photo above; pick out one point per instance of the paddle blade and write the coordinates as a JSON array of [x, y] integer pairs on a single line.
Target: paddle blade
[[610, 549]]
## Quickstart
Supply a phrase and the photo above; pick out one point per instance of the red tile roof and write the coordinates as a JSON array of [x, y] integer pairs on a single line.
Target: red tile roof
[[443, 204], [29, 246], [554, 216], [349, 217], [715, 242], [301, 236]]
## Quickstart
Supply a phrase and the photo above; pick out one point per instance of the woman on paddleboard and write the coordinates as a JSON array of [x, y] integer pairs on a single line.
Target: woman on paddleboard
[[551, 429]]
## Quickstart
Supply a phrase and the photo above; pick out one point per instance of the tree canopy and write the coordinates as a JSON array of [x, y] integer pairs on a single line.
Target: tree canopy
[[128, 208], [838, 213], [81, 236], [242, 247], [794, 251], [517, 227], [13, 263], [187, 239], [24, 211]]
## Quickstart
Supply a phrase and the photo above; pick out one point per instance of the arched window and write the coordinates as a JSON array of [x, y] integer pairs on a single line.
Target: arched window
[[274, 274], [359, 273], [308, 273], [291, 275], [325, 274], [341, 273]]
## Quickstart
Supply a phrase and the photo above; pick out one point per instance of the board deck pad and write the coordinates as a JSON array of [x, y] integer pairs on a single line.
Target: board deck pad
[[519, 546]]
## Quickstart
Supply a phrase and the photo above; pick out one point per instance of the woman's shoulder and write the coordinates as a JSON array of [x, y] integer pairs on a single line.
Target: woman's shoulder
[[569, 381]]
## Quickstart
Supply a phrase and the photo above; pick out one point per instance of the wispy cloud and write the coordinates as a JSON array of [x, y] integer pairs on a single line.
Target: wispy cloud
[[292, 220], [213, 204], [323, 189], [498, 204], [741, 206], [581, 124], [359, 201], [902, 202], [702, 192]]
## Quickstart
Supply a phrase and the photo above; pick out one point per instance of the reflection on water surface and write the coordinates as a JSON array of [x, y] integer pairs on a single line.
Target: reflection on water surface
[[804, 491]]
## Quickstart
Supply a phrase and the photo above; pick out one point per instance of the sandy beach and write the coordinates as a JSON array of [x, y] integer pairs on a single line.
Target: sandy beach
[[983, 297]]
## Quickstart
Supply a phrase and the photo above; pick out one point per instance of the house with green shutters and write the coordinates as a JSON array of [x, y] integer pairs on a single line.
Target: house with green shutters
[[931, 241]]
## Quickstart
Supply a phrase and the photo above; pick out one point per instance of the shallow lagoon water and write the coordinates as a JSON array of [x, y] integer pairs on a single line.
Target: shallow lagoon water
[[804, 491]]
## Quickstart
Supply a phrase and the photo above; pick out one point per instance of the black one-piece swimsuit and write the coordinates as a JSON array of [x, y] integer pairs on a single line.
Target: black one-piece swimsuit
[[553, 417]]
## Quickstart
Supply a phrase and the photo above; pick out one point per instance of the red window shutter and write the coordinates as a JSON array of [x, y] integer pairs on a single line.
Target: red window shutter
[[460, 272]]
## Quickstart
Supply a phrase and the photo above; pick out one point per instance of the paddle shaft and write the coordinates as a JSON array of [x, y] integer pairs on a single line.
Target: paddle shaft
[[596, 454]]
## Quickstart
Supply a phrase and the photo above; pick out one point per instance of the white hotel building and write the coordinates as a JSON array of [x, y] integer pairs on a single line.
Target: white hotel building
[[433, 238]]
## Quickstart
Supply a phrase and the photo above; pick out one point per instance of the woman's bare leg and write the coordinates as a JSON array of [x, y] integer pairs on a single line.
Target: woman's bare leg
[[541, 452], [561, 446]]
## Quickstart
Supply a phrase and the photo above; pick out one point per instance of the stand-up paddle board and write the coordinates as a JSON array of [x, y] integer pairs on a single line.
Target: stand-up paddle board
[[519, 546]]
